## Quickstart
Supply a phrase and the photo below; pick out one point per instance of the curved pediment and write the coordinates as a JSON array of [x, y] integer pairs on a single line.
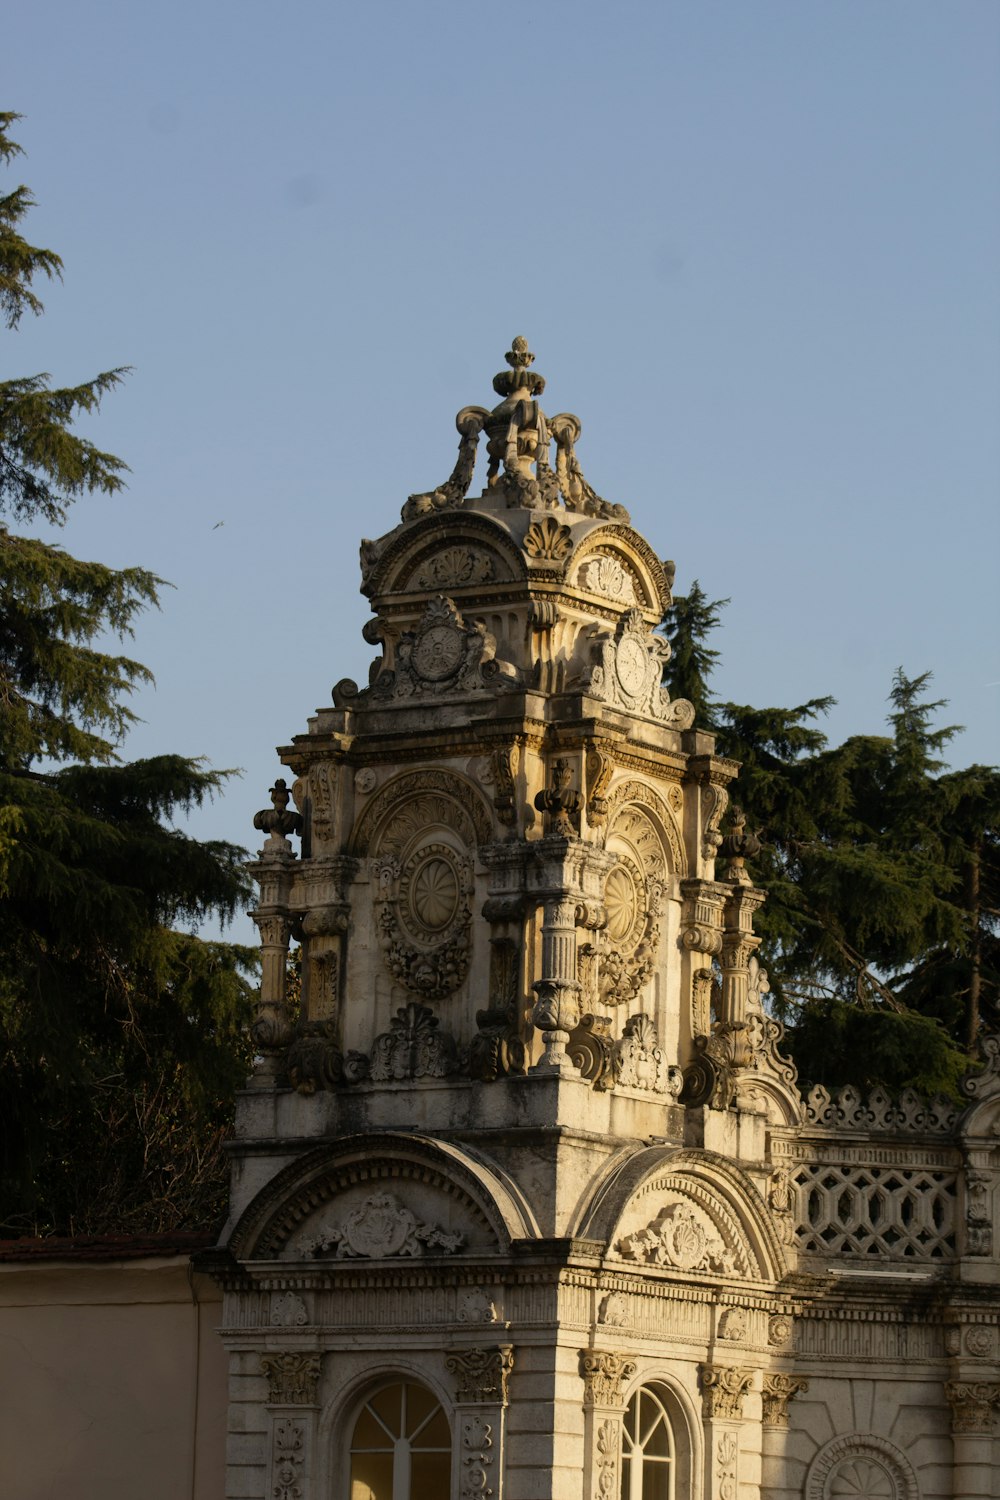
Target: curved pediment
[[382, 1197], [423, 799], [613, 562], [669, 1209], [449, 553]]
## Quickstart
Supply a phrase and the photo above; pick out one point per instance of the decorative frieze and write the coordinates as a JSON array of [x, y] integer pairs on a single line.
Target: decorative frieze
[[605, 1372], [723, 1388], [482, 1373], [778, 1390], [292, 1378]]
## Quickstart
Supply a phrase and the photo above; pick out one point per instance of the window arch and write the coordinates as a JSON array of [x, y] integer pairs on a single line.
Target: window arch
[[649, 1449], [401, 1445]]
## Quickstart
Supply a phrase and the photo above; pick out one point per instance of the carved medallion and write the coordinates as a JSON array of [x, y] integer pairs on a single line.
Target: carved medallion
[[432, 888], [382, 1227], [437, 652], [621, 901]]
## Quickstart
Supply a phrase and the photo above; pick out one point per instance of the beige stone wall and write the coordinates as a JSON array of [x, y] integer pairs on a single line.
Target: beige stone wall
[[112, 1381]]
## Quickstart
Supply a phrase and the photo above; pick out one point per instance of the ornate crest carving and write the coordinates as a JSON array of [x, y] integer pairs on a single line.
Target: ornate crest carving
[[613, 1311], [482, 1373], [476, 1306], [733, 1325], [640, 1062], [414, 1047], [682, 1237], [442, 654], [380, 1228], [627, 672]]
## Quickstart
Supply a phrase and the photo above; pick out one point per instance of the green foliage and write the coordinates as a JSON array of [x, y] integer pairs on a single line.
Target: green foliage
[[122, 1038], [880, 931], [687, 627]]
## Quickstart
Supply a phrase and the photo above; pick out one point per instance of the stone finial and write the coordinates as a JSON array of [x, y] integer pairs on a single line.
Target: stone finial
[[738, 846], [561, 804], [276, 821], [519, 438]]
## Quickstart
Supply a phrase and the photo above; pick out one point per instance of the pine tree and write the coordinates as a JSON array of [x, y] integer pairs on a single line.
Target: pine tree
[[121, 1036], [687, 625], [880, 932]]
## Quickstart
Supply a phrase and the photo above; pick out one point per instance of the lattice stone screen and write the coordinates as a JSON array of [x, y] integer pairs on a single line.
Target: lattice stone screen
[[902, 1213]]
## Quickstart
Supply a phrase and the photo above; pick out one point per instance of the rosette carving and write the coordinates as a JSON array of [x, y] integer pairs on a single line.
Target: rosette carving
[[424, 918]]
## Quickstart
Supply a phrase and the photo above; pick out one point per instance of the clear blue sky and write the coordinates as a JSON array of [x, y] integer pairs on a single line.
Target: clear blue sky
[[755, 247]]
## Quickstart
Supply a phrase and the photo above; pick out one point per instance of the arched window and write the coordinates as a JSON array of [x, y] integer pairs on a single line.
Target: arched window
[[401, 1446], [649, 1460]]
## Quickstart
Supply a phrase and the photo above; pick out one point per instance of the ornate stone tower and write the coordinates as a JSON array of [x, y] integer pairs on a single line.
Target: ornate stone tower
[[514, 1194]]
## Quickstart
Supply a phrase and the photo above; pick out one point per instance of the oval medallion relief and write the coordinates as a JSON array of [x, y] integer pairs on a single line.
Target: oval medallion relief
[[431, 886]]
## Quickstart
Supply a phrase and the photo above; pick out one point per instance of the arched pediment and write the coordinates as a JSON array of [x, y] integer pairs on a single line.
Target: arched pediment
[[614, 562], [383, 1197], [423, 799], [673, 1209], [634, 806], [445, 554]]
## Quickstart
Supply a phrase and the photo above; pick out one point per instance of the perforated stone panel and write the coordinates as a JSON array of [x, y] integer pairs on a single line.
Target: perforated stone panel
[[901, 1213]]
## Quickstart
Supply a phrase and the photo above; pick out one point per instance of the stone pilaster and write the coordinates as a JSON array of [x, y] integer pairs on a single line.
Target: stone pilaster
[[481, 1399], [723, 1388], [606, 1373], [292, 1405], [568, 877], [777, 1392], [974, 1404]]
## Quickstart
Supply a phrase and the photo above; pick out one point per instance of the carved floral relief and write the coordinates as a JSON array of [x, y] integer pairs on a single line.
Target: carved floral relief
[[379, 1228]]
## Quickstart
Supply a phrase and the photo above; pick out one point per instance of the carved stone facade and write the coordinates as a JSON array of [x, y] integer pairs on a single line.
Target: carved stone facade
[[526, 1197]]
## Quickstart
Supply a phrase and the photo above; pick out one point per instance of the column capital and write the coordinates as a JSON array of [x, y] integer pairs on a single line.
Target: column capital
[[723, 1388], [972, 1403], [604, 1373], [778, 1390]]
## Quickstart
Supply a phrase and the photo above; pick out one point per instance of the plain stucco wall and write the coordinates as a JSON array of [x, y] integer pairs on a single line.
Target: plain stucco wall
[[112, 1381]]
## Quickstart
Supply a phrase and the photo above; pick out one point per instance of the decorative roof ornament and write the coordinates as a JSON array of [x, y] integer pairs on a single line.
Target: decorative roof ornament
[[276, 821], [518, 444]]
